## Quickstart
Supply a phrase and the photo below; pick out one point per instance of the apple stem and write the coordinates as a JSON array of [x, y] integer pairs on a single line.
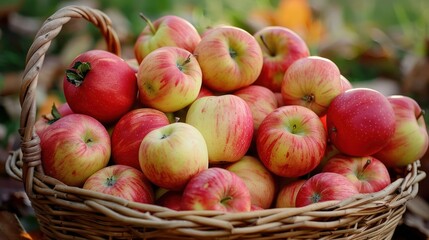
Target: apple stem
[[308, 98], [76, 75], [111, 181], [368, 161], [225, 199], [422, 113], [272, 53], [149, 23]]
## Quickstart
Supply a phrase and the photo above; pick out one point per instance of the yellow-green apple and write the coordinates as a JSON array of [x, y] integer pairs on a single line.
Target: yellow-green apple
[[280, 47], [181, 114], [46, 120], [100, 84], [121, 181], [312, 82], [258, 179], [171, 155], [368, 174], [325, 186], [165, 31], [286, 197], [169, 79], [74, 147], [216, 189], [410, 140], [130, 130], [230, 58], [360, 122], [291, 141], [261, 101], [226, 123], [170, 199]]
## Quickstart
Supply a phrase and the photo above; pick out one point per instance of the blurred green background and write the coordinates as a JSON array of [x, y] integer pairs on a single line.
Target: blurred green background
[[375, 43]]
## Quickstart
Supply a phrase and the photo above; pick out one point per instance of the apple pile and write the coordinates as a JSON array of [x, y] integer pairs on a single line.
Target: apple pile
[[224, 120]]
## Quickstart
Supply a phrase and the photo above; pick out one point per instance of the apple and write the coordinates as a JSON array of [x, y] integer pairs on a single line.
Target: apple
[[170, 199], [168, 30], [325, 186], [345, 83], [360, 122], [312, 82], [171, 155], [261, 101], [73, 148], [130, 130], [169, 79], [258, 179], [286, 197], [121, 181], [291, 141], [280, 47], [216, 189], [410, 140], [368, 174], [100, 84], [181, 114], [226, 123], [230, 58], [46, 120]]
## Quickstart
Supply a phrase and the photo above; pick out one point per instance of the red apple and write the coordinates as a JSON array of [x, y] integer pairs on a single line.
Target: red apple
[[165, 31], [216, 189], [230, 58], [368, 174], [169, 79], [121, 181], [257, 178], [73, 148], [170, 199], [226, 123], [291, 141], [101, 85], [325, 186], [261, 101], [280, 47], [286, 197], [312, 82], [410, 140], [171, 155], [360, 121], [130, 130], [345, 83]]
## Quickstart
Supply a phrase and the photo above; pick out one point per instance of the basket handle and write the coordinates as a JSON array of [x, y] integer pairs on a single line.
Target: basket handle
[[30, 142]]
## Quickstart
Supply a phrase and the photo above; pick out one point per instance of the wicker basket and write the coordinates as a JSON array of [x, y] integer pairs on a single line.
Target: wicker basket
[[66, 212]]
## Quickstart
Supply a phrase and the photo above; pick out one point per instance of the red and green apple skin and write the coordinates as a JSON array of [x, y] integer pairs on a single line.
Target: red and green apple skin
[[280, 48], [46, 120], [312, 82], [216, 189], [230, 58], [368, 174], [165, 31], [171, 155], [410, 140], [75, 147], [291, 141], [360, 122], [121, 181], [226, 122], [130, 130], [169, 79], [286, 197], [323, 187], [258, 179]]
